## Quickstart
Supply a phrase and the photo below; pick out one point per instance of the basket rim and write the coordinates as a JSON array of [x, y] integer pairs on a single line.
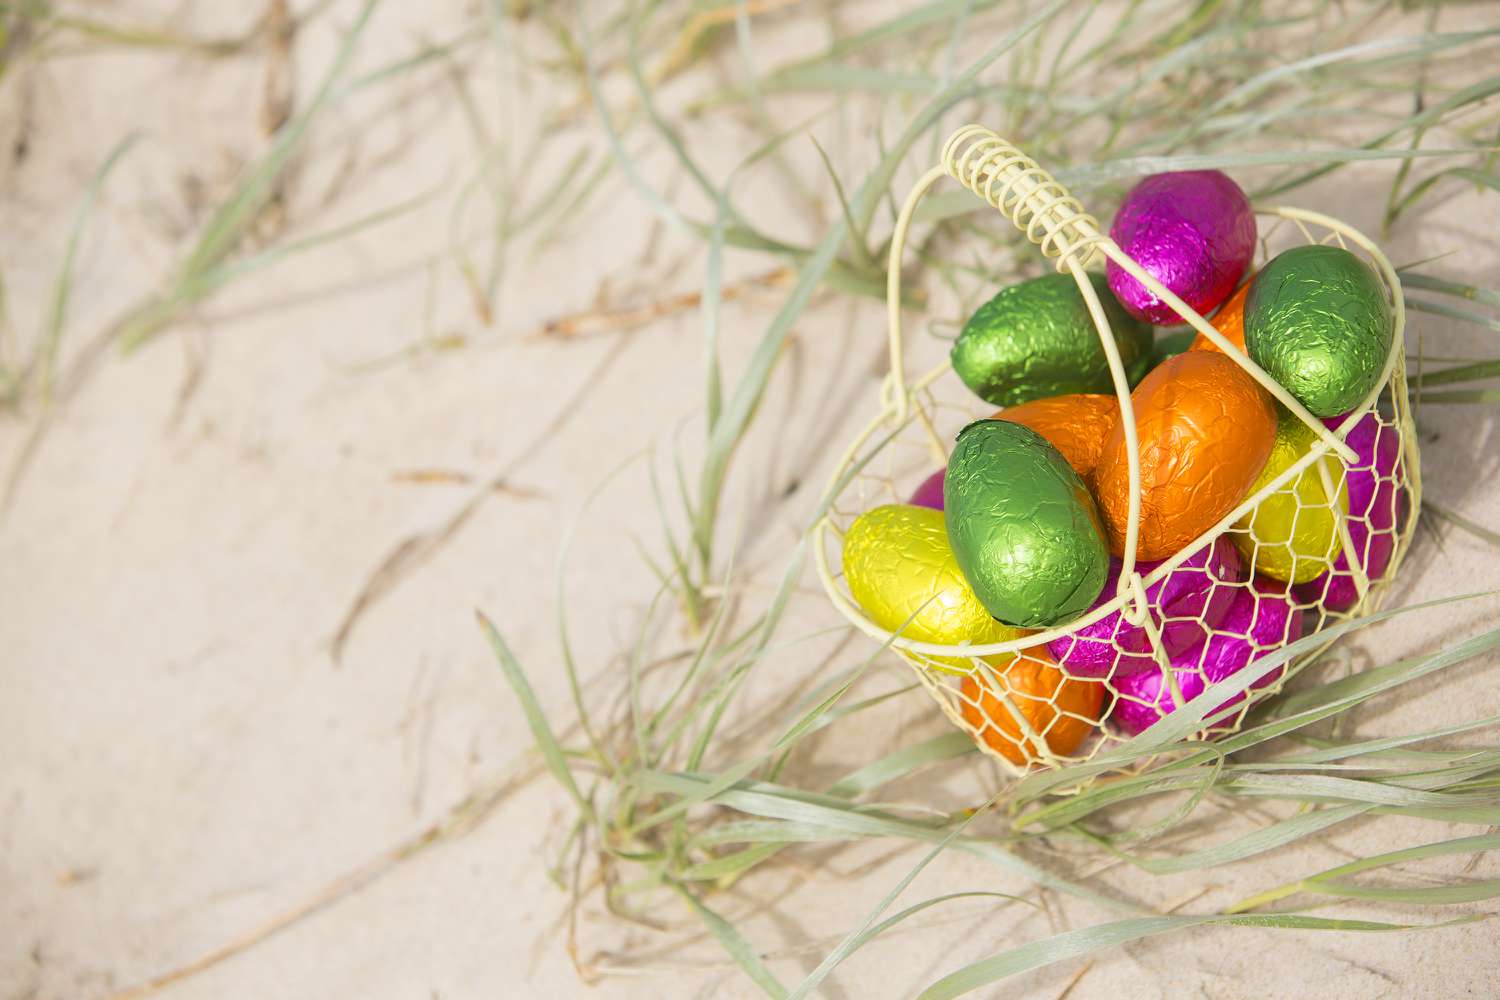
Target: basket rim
[[852, 460]]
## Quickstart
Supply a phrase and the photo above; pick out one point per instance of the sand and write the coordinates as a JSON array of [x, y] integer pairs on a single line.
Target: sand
[[196, 737]]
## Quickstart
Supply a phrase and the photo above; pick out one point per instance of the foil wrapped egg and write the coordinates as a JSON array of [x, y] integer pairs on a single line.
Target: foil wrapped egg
[[1075, 424], [1191, 230], [1205, 429], [1229, 321], [1170, 345], [1022, 525], [1318, 321], [1293, 535], [1188, 600], [1059, 710], [1377, 504], [930, 493], [901, 570], [1037, 339], [1260, 620]]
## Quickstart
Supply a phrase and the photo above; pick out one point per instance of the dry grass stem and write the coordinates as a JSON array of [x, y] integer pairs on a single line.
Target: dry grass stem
[[601, 321]]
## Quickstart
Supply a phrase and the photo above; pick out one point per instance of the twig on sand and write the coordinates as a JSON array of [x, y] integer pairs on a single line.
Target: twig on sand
[[1077, 978], [411, 552], [414, 550], [280, 85], [598, 321], [700, 27]]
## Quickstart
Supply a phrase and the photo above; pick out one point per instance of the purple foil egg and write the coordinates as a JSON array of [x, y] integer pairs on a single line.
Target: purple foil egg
[[1377, 503], [1198, 592], [930, 493], [1260, 619], [1192, 230]]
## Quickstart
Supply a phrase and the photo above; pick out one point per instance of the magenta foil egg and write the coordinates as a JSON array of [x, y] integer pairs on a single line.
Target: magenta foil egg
[[1192, 230], [1377, 503], [1260, 619], [930, 493], [1196, 594]]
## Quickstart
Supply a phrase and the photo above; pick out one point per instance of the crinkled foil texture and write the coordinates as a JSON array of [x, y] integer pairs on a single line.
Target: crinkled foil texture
[[1229, 321], [1037, 339], [1377, 504], [1185, 603], [1022, 525], [1205, 429], [1192, 230], [901, 570], [1259, 620], [1293, 534], [1062, 710], [1076, 425], [1317, 320]]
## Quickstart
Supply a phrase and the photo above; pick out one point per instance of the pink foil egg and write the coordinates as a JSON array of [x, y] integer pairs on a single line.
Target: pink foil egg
[[1197, 593], [1259, 620], [1377, 502], [1192, 230], [930, 493]]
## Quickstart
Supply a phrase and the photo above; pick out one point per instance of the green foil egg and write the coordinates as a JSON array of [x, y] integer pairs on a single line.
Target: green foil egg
[[1022, 525], [901, 570], [1317, 320], [1037, 339]]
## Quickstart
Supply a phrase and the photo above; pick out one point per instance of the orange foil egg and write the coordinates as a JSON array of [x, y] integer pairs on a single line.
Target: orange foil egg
[[1076, 424], [1206, 429], [1060, 710], [1230, 321]]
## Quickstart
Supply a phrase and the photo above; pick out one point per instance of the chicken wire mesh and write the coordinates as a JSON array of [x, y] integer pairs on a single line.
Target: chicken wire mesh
[[1316, 544]]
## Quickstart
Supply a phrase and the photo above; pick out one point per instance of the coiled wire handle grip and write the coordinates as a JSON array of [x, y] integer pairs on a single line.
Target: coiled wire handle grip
[[1015, 185]]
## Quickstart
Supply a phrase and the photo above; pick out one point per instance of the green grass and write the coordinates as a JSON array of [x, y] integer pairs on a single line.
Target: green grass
[[674, 800], [1183, 95]]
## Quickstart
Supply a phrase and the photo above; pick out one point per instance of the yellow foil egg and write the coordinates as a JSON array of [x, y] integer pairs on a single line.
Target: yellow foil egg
[[1293, 535], [900, 569]]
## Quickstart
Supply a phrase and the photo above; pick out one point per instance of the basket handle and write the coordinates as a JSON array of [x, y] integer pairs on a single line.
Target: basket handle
[[1016, 185]]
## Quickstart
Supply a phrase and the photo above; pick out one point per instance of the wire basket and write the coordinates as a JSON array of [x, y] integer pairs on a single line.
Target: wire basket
[[1021, 701]]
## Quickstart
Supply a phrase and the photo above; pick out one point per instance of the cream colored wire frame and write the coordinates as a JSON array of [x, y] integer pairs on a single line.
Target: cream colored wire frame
[[1005, 178]]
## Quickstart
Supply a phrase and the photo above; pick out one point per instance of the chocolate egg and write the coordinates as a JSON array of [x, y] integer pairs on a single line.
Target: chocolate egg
[[900, 569], [1229, 320], [1022, 525], [1205, 429], [1060, 710], [1317, 320], [1169, 345], [1377, 504], [930, 493], [1192, 230], [1260, 620], [1191, 598], [1038, 339], [1075, 424], [1293, 534]]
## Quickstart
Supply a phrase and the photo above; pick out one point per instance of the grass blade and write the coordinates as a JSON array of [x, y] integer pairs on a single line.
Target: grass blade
[[231, 220], [1090, 940], [57, 317], [1322, 881], [536, 719], [735, 944]]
